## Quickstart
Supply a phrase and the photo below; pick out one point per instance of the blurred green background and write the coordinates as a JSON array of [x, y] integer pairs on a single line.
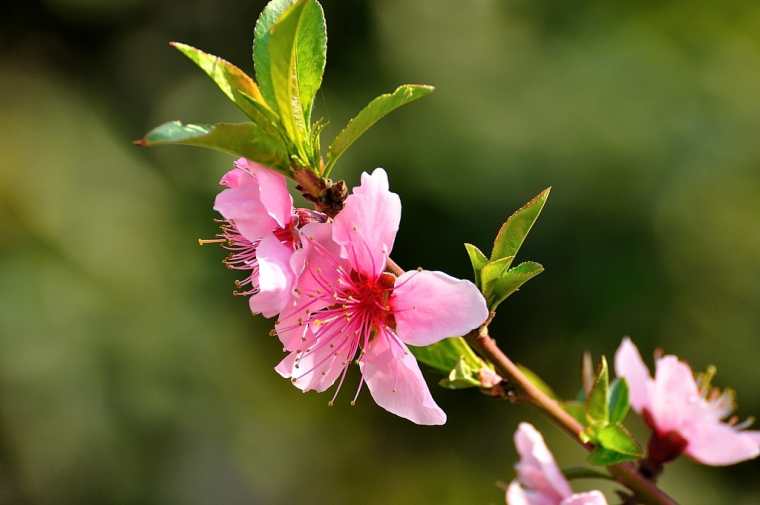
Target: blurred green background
[[129, 374]]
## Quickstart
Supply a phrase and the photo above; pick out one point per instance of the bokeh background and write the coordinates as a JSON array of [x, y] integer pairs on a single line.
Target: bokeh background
[[129, 374]]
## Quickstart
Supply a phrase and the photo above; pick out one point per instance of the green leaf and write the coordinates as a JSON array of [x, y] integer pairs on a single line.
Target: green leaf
[[371, 114], [231, 80], [616, 438], [574, 473], [497, 287], [445, 355], [478, 260], [603, 457], [618, 401], [576, 409], [238, 139], [597, 412], [513, 232], [462, 376], [290, 72]]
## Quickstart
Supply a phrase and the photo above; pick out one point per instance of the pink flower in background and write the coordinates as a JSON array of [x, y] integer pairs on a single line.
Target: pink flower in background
[[683, 416], [260, 229], [539, 479], [345, 303]]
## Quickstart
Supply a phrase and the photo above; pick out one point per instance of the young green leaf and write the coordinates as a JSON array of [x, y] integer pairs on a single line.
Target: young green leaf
[[478, 260], [576, 409], [491, 273], [261, 60], [597, 412], [604, 457], [371, 114], [239, 139], [513, 232], [231, 80], [574, 473], [618, 401], [444, 355], [510, 281], [296, 46], [462, 376], [616, 438]]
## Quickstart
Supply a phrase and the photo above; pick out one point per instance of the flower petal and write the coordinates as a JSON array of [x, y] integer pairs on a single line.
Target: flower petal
[[275, 277], [430, 306], [396, 383], [241, 205], [315, 268], [367, 225], [630, 366], [312, 370], [718, 444], [675, 397], [590, 498], [537, 470], [273, 191], [516, 495]]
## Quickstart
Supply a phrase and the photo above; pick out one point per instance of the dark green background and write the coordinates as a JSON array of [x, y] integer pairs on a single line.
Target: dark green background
[[130, 375]]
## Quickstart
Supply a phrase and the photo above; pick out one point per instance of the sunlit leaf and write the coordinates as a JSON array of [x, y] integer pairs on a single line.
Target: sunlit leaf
[[230, 79], [239, 139], [444, 355], [616, 438], [604, 457], [576, 409], [462, 376], [498, 284], [513, 232], [478, 261], [371, 114], [597, 412]]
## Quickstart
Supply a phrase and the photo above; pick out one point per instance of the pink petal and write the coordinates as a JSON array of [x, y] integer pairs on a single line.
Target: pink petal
[[367, 225], [273, 191], [242, 206], [537, 470], [396, 383], [630, 366], [316, 370], [234, 177], [430, 306], [675, 397], [275, 277], [314, 266], [713, 443], [516, 495], [590, 498]]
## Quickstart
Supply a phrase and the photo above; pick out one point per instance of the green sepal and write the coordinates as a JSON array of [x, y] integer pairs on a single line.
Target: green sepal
[[597, 410], [239, 139], [618, 401], [230, 79], [512, 233], [378, 108], [478, 261]]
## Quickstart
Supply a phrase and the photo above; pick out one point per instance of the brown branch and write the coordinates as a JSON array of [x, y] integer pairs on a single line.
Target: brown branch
[[625, 473]]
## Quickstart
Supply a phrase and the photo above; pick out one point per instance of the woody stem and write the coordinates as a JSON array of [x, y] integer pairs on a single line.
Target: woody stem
[[625, 473]]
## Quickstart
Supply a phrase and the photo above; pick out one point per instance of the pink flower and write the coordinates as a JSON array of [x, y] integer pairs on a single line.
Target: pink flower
[[261, 232], [539, 479], [683, 416], [345, 303]]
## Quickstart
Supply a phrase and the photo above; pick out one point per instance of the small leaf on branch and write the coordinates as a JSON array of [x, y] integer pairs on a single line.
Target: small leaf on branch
[[462, 376], [618, 401], [498, 284], [574, 473], [597, 411], [444, 355], [478, 261], [603, 457], [576, 409], [239, 139], [616, 438], [513, 232], [371, 114]]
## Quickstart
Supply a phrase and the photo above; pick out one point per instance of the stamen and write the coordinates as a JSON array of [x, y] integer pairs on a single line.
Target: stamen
[[207, 241]]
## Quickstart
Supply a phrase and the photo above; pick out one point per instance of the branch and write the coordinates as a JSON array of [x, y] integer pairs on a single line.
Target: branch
[[624, 473]]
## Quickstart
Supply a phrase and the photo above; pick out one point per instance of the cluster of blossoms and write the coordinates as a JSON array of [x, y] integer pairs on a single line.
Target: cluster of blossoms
[[685, 414], [327, 281]]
